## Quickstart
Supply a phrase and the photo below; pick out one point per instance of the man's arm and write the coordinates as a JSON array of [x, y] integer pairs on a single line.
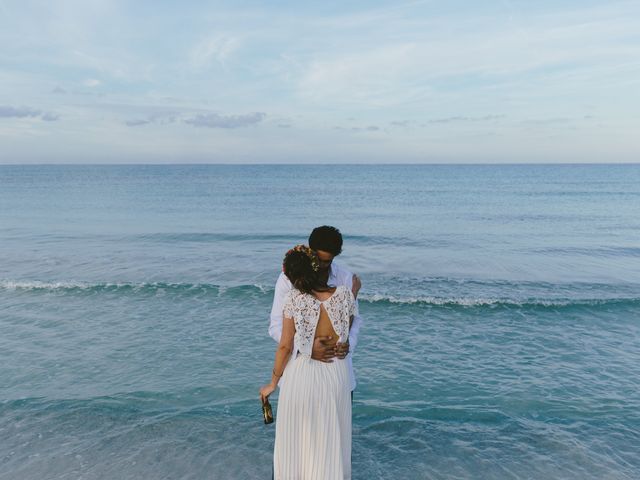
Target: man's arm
[[347, 280], [275, 324], [355, 329]]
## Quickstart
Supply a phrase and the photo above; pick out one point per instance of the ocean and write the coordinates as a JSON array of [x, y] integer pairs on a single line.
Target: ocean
[[501, 310]]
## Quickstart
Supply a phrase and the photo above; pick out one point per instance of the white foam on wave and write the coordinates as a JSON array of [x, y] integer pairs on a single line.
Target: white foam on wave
[[68, 285], [222, 290], [65, 285], [469, 302], [475, 302], [38, 285]]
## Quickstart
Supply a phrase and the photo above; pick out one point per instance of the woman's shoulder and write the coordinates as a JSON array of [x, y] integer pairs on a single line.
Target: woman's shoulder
[[342, 292], [294, 295], [291, 295], [293, 292]]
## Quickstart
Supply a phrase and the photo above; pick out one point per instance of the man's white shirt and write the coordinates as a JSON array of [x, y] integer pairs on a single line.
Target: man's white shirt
[[338, 275]]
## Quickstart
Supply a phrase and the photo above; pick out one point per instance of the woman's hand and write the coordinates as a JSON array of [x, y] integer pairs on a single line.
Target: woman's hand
[[266, 390], [356, 285]]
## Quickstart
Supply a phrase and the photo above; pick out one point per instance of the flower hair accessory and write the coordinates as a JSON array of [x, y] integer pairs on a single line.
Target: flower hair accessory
[[315, 264]]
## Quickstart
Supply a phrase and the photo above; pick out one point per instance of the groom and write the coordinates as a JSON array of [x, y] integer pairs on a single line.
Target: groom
[[327, 243]]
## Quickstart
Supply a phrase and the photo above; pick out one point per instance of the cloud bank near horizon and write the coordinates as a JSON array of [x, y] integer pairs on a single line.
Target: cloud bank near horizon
[[419, 81], [7, 111]]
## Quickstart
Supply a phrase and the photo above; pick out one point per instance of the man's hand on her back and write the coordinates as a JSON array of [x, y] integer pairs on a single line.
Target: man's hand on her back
[[342, 350], [323, 351]]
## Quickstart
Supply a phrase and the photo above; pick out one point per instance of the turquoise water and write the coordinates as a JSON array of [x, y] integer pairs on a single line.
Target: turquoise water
[[501, 308]]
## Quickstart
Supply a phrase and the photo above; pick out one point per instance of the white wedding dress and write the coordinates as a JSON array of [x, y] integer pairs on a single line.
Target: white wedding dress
[[313, 419]]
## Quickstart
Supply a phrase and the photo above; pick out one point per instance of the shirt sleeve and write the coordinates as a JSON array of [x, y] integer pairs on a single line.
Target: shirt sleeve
[[275, 320], [347, 280], [355, 327], [352, 303]]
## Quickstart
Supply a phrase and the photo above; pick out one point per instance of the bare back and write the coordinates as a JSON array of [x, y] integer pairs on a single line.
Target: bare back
[[324, 327]]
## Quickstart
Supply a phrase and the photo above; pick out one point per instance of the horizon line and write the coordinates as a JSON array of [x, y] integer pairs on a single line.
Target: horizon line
[[311, 164]]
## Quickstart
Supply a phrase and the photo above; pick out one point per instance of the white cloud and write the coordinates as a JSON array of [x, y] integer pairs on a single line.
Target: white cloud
[[377, 76], [216, 48], [417, 60]]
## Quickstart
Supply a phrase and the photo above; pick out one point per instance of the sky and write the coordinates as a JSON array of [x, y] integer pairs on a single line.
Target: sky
[[108, 81]]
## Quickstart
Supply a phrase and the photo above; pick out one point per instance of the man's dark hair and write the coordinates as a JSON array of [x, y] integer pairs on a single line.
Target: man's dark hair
[[327, 239]]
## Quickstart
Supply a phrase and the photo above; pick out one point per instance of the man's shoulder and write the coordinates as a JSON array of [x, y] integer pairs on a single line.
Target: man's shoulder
[[283, 282], [342, 273]]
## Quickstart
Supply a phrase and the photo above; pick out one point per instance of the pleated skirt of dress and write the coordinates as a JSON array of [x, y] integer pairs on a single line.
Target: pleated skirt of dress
[[313, 421]]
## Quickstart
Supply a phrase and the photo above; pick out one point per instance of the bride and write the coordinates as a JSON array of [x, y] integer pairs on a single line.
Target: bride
[[313, 421]]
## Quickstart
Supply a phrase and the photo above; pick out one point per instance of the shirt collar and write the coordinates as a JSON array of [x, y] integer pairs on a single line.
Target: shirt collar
[[333, 273]]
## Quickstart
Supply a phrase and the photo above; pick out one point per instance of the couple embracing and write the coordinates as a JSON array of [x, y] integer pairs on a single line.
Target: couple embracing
[[315, 321]]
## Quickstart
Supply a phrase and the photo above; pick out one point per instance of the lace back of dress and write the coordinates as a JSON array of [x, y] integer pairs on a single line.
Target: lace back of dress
[[305, 311]]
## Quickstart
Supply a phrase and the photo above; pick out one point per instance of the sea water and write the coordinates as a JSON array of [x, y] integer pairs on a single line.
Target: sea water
[[501, 310]]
